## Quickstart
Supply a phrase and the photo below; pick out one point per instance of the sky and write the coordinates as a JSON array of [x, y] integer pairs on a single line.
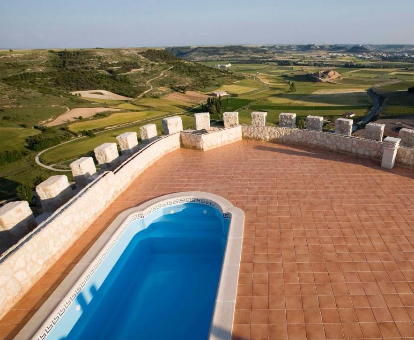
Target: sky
[[145, 23]]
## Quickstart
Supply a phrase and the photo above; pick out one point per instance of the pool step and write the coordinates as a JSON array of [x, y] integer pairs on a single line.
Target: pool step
[[196, 228]]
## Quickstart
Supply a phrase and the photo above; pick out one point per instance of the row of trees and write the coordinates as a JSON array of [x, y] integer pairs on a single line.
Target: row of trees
[[48, 138], [7, 157], [215, 105]]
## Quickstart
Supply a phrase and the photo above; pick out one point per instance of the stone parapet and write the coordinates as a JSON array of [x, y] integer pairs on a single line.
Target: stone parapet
[[231, 119], [30, 259], [83, 169], [54, 192], [389, 152], [374, 131], [259, 118], [314, 123], [16, 220], [128, 142], [343, 126], [287, 120], [405, 156], [172, 125], [148, 133], [211, 140], [106, 154], [331, 141], [407, 137], [202, 121]]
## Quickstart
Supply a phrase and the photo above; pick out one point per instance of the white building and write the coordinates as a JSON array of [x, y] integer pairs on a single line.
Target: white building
[[224, 65], [219, 94]]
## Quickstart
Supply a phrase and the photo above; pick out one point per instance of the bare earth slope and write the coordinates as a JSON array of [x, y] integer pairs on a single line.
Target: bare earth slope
[[74, 114], [101, 94]]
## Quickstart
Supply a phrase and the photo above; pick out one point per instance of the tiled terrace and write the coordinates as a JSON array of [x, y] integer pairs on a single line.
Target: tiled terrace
[[328, 245]]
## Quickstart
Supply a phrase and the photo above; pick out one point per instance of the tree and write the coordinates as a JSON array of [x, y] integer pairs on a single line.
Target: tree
[[25, 193], [214, 106], [301, 122]]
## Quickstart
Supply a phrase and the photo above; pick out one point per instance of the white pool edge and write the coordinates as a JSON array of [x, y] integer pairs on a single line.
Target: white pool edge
[[222, 322]]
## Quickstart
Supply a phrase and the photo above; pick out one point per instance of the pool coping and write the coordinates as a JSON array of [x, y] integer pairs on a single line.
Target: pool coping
[[222, 321]]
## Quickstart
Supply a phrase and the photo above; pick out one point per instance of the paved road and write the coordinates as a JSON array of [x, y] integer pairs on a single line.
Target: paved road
[[115, 127], [375, 107], [49, 167]]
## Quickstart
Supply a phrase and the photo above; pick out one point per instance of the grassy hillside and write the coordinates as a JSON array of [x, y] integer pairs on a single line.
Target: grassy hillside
[[35, 88]]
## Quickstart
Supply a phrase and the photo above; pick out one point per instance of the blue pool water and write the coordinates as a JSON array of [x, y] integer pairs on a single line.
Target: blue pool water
[[159, 281]]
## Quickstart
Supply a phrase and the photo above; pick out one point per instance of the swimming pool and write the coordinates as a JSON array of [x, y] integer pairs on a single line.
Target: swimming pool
[[157, 276]]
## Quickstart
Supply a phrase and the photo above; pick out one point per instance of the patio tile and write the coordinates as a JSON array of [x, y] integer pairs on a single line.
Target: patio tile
[[328, 245]]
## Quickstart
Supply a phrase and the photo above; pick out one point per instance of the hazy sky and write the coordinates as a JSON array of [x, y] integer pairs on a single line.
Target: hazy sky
[[128, 23]]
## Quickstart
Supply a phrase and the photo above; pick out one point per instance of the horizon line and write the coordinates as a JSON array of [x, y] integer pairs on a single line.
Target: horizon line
[[204, 45]]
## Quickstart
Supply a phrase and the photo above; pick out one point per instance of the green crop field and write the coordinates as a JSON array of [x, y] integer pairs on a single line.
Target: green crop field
[[85, 146], [31, 98], [13, 138]]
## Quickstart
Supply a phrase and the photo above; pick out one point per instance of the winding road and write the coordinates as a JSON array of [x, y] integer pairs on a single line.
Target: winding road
[[375, 107], [50, 167], [148, 82]]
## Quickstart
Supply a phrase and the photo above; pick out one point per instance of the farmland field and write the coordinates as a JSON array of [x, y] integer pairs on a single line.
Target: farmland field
[[13, 138], [44, 94]]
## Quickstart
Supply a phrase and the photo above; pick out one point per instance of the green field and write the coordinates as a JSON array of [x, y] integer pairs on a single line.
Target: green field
[[85, 146], [13, 138], [43, 94]]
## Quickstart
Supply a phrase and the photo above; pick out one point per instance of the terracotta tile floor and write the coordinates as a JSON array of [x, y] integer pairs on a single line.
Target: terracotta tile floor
[[328, 244]]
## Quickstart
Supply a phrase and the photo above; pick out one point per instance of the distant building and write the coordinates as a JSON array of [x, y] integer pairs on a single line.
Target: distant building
[[224, 65], [219, 94]]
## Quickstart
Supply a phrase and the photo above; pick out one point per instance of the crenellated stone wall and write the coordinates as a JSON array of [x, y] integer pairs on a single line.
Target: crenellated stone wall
[[23, 264], [407, 137], [343, 126], [331, 141], [405, 156], [211, 140], [27, 261]]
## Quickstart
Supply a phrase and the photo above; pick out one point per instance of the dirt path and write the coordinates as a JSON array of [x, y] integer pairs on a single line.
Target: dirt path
[[148, 82]]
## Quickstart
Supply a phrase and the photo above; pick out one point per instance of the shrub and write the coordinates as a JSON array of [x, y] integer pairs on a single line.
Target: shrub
[[48, 138], [301, 122], [25, 193], [88, 133], [7, 157]]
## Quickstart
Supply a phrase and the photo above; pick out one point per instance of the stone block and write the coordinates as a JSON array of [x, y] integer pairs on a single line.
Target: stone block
[[202, 121], [231, 119], [54, 192], [314, 123], [374, 131], [128, 142], [106, 153], [82, 169], [407, 137], [148, 133], [172, 125], [343, 126], [259, 118], [389, 152], [287, 120], [16, 220]]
